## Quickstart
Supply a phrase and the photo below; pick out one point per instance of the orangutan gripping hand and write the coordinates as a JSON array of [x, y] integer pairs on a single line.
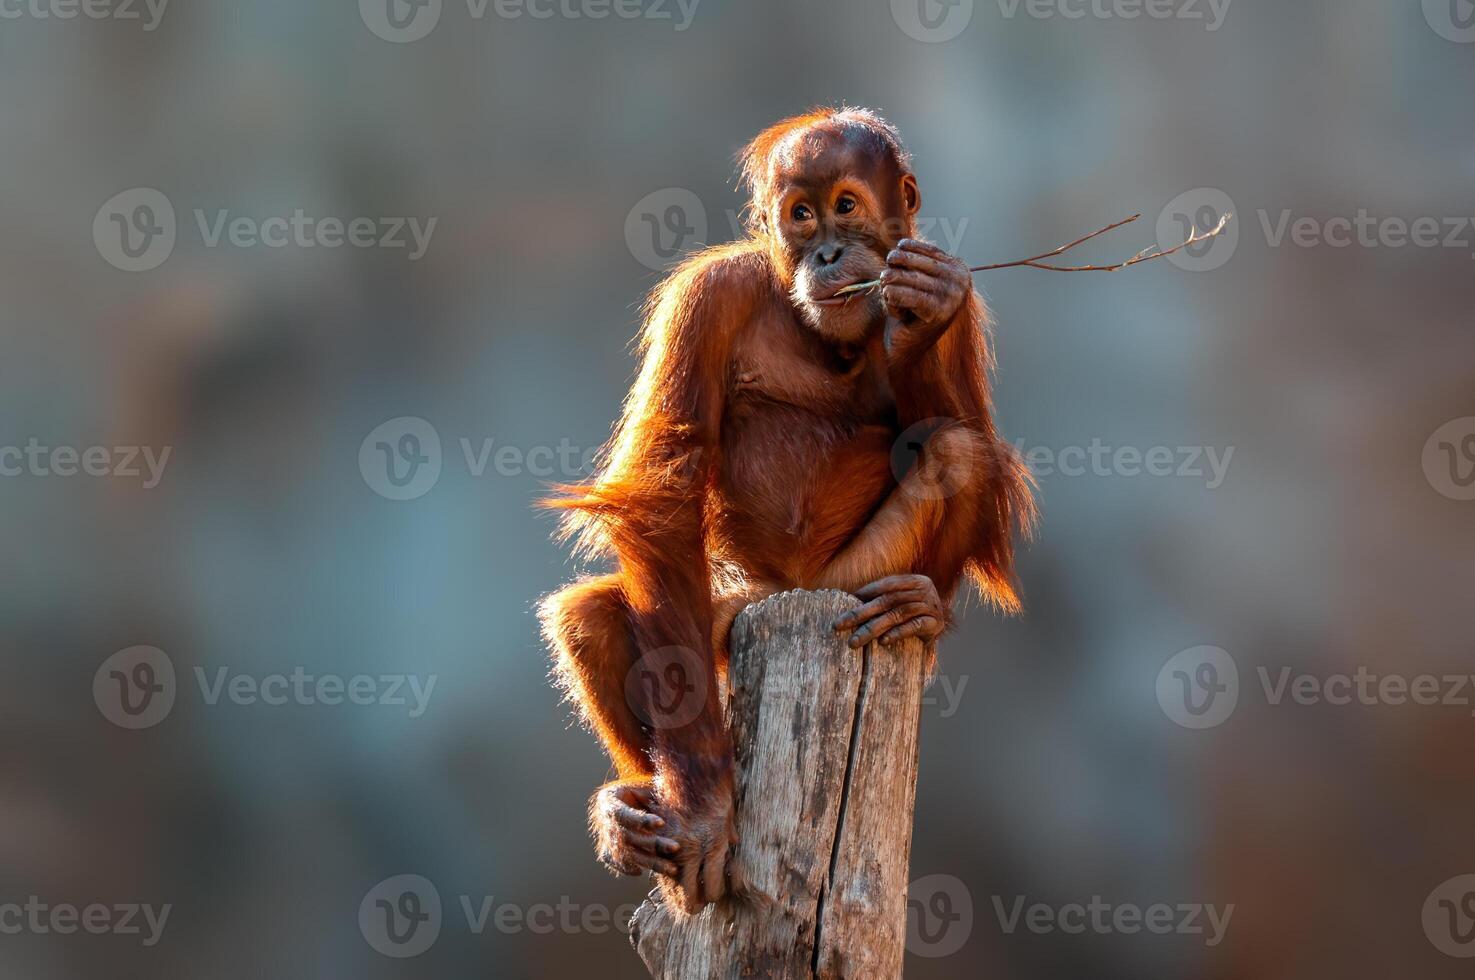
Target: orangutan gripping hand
[[923, 290], [895, 608]]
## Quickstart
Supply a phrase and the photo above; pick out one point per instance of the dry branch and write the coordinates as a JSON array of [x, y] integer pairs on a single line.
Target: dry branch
[[1036, 261]]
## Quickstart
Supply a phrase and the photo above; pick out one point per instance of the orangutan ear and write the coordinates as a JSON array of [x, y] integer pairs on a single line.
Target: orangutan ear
[[911, 195]]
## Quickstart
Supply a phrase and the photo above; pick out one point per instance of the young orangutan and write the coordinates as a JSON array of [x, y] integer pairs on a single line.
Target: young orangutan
[[758, 451]]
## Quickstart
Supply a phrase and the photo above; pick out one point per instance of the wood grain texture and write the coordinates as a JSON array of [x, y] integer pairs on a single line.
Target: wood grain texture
[[826, 749]]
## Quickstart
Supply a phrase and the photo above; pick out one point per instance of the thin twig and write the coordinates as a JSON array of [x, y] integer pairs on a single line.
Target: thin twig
[[1035, 262], [1058, 251]]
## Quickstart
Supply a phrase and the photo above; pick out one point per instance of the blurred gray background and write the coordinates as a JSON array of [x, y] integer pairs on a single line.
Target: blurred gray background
[[1336, 380]]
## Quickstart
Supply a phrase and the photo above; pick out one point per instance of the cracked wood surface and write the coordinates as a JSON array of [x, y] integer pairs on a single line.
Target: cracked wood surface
[[826, 748]]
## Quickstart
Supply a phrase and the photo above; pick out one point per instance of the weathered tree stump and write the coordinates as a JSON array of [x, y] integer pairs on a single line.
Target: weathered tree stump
[[826, 746]]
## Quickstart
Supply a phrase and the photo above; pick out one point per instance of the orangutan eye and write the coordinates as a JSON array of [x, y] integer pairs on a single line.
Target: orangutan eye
[[845, 205], [802, 213]]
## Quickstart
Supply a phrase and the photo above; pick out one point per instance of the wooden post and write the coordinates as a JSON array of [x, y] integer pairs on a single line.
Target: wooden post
[[826, 745]]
